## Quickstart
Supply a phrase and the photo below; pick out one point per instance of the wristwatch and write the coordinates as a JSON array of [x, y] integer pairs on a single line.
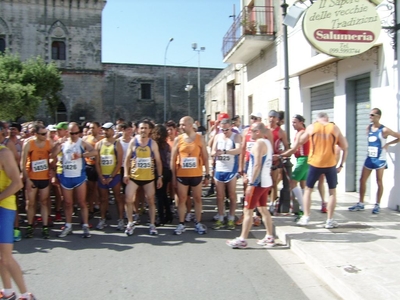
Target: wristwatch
[[160, 176], [207, 176]]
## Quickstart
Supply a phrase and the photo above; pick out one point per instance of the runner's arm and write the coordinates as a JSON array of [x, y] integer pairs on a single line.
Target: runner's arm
[[9, 165]]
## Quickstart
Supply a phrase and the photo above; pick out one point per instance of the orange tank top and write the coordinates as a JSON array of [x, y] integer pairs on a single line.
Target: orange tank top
[[90, 140], [322, 146], [38, 161], [190, 159]]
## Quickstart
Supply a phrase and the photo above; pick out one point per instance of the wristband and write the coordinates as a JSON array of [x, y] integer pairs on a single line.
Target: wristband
[[224, 151], [160, 176], [251, 184], [207, 176]]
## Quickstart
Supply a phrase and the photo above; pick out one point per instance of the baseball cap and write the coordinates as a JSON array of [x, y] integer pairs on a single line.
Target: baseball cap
[[108, 125], [256, 114], [222, 116], [62, 125], [273, 113], [51, 127]]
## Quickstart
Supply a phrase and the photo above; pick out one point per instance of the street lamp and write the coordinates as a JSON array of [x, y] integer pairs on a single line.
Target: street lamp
[[188, 88], [194, 46], [165, 80]]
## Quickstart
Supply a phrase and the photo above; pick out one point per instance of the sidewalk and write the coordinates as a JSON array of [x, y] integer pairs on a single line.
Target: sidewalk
[[360, 259]]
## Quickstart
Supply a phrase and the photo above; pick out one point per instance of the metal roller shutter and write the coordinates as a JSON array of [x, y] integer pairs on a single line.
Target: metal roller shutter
[[322, 101], [362, 87]]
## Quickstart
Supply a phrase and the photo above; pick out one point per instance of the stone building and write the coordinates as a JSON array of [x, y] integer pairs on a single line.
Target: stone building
[[68, 33]]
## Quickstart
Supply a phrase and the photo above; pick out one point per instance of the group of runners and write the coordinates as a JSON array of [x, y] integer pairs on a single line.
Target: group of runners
[[147, 163]]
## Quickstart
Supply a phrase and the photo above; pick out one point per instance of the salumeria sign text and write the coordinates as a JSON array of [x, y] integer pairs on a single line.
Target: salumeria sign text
[[342, 27]]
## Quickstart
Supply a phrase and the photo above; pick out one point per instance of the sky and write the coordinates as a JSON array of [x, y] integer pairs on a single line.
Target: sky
[[138, 31]]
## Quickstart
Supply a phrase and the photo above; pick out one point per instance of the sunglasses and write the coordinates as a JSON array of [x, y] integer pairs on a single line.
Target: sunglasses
[[253, 118], [74, 133], [42, 133], [373, 115], [224, 130]]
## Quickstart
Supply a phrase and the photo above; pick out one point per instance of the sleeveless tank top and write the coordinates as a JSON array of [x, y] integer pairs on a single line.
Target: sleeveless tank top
[[5, 181], [264, 178], [90, 140], [72, 168], [190, 159], [226, 162], [142, 162], [249, 144], [322, 146], [37, 164], [108, 158], [304, 149], [375, 143]]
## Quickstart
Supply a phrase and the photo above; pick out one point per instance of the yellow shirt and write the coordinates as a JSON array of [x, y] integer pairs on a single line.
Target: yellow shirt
[[142, 162], [9, 202], [108, 159]]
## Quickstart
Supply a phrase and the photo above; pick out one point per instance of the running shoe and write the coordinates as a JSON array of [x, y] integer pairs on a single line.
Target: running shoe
[[29, 232], [58, 217], [299, 214], [331, 223], [230, 225], [218, 225], [130, 229], [323, 208], [303, 221], [359, 206], [30, 297], [45, 233], [240, 220], [17, 235], [11, 297], [209, 193], [267, 242], [153, 230], [179, 229], [121, 225], [237, 243], [188, 217], [200, 228], [86, 232], [102, 224], [376, 209], [256, 221], [66, 231]]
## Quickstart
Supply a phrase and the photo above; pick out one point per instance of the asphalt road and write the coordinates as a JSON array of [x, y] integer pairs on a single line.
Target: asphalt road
[[111, 265]]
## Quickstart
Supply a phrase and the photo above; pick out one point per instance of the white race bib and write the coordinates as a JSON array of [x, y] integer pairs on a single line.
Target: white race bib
[[372, 151], [70, 165], [143, 163], [107, 160], [40, 165], [224, 157], [189, 163]]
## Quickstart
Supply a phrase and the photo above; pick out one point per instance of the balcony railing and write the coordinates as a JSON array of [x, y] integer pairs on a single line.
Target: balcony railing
[[252, 20]]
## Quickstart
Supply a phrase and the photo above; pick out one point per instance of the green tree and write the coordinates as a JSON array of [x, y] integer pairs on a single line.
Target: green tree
[[24, 85]]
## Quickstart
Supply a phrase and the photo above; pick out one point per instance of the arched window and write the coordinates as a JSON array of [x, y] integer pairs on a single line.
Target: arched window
[[2, 45], [58, 50]]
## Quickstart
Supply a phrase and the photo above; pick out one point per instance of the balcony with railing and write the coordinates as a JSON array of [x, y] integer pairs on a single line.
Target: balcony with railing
[[252, 30]]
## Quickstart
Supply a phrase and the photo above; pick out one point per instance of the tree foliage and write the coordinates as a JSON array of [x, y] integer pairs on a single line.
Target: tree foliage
[[23, 85]]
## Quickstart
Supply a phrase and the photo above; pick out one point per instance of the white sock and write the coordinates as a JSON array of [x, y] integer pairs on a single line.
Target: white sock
[[69, 225], [7, 292], [231, 218], [299, 196], [221, 218], [85, 225]]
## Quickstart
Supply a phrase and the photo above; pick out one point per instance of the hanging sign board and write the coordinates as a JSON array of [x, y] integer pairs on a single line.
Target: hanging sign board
[[342, 28]]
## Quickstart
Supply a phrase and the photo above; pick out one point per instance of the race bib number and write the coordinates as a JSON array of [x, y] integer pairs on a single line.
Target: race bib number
[[107, 160], [373, 151], [249, 145], [143, 163], [71, 165], [223, 158], [189, 163], [40, 165]]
